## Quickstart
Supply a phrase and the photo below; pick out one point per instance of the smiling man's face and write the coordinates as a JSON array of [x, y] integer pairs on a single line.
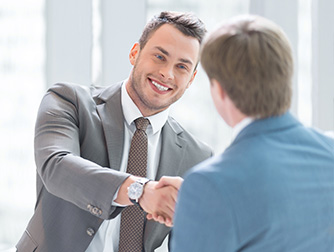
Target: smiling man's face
[[162, 70]]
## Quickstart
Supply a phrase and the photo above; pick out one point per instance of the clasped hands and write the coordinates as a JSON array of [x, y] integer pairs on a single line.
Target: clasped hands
[[159, 199]]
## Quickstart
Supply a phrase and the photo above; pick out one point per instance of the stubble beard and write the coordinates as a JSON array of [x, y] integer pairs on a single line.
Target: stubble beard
[[143, 99]]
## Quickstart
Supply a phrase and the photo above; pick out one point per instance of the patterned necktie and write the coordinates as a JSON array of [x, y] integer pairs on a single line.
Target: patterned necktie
[[132, 219]]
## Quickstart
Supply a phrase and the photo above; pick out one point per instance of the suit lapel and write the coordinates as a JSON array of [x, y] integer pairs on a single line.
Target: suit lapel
[[172, 151], [112, 119], [173, 148]]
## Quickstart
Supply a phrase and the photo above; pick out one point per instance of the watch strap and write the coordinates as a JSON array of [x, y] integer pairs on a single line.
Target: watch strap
[[135, 202], [143, 181]]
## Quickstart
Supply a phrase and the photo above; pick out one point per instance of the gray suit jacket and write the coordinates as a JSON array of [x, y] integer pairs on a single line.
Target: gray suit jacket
[[78, 150]]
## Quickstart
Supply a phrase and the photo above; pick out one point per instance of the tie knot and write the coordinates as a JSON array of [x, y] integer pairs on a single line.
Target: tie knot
[[142, 123]]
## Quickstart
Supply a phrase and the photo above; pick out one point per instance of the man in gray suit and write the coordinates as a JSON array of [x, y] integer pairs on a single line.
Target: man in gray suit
[[82, 142]]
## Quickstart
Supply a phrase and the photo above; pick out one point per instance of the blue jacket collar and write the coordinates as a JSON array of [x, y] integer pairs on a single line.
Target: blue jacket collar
[[265, 125]]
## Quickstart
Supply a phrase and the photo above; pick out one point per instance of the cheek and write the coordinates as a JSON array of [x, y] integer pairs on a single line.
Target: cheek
[[185, 79], [183, 86]]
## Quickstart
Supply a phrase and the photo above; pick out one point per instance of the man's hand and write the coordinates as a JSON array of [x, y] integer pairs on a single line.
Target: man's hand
[[158, 199], [169, 180], [173, 184]]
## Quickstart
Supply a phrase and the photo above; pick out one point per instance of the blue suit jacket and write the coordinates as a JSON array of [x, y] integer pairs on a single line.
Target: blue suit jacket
[[271, 190]]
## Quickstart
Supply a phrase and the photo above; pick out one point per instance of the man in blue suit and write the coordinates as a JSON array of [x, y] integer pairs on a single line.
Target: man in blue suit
[[273, 188]]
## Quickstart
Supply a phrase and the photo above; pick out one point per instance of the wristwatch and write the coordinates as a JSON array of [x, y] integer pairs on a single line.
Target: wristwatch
[[136, 189]]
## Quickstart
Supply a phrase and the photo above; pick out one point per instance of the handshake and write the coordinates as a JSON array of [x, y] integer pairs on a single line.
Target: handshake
[[158, 199]]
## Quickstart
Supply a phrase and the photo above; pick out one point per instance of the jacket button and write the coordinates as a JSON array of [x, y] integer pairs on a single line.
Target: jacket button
[[90, 231], [95, 211]]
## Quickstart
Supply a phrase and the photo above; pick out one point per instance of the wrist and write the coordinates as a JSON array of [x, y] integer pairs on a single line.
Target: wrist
[[136, 190], [122, 197]]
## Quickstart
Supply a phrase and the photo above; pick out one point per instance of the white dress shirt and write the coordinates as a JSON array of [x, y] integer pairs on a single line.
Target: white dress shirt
[[106, 238]]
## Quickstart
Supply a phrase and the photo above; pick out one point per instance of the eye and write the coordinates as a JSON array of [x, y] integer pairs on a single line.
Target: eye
[[182, 67], [160, 57]]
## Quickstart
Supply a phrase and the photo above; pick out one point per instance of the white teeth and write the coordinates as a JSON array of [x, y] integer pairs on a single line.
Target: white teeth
[[161, 88]]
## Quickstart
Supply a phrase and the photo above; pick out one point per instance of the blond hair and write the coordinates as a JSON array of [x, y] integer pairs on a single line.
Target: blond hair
[[251, 58]]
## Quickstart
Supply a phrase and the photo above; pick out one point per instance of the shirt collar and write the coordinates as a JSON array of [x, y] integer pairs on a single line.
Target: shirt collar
[[131, 112], [240, 126]]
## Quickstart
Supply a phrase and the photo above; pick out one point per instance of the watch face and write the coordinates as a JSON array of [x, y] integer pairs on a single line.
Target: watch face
[[135, 190]]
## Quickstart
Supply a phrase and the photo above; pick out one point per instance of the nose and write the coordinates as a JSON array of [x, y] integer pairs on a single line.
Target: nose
[[166, 72]]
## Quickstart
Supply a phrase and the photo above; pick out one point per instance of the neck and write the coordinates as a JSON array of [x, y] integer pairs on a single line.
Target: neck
[[237, 119], [233, 114]]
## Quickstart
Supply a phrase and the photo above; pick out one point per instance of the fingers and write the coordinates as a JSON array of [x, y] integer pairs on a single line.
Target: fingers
[[159, 199], [167, 201], [172, 181], [165, 215], [169, 223], [158, 218]]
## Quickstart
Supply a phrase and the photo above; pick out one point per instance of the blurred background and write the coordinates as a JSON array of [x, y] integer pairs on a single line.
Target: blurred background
[[88, 41]]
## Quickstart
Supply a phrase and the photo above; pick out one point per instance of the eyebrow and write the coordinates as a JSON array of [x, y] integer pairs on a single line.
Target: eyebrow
[[186, 61]]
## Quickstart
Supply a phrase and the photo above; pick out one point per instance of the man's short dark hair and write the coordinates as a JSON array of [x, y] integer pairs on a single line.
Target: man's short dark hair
[[187, 23]]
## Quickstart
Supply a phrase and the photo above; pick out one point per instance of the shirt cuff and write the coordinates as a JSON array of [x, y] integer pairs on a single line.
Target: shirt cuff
[[113, 203]]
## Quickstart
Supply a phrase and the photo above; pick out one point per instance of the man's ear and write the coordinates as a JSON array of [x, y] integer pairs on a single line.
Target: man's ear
[[218, 89], [134, 52]]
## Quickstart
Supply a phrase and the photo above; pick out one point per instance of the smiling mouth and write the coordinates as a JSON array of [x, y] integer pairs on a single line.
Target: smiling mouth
[[158, 86]]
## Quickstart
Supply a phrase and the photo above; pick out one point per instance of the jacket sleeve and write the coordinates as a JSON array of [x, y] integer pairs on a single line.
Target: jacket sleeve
[[63, 171]]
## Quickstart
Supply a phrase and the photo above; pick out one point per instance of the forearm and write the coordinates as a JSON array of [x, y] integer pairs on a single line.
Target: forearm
[[60, 149], [82, 182]]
